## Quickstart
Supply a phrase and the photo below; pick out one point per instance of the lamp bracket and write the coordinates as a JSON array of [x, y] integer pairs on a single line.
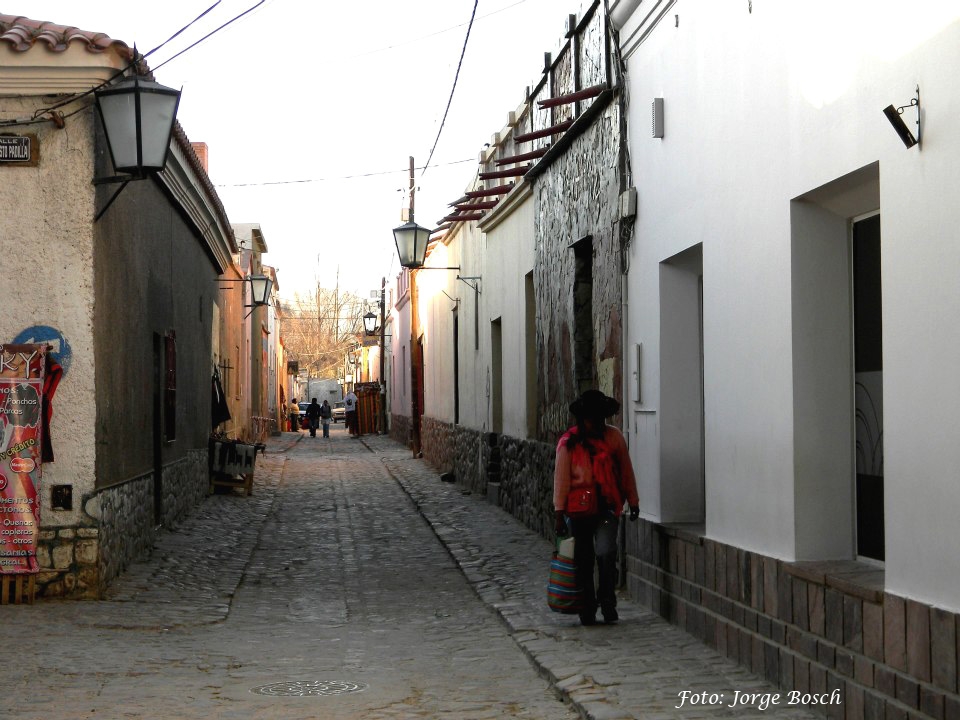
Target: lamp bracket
[[117, 179], [110, 201], [914, 103], [465, 280]]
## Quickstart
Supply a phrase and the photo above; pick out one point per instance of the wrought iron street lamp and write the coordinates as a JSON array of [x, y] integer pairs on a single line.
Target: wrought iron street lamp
[[260, 287], [411, 242], [137, 117], [370, 324]]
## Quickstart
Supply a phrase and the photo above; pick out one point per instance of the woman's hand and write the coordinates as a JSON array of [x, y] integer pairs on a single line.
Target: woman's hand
[[560, 524]]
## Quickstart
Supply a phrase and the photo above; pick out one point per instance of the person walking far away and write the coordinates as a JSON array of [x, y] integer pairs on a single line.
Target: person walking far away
[[593, 477], [294, 414], [326, 412], [313, 416], [350, 412]]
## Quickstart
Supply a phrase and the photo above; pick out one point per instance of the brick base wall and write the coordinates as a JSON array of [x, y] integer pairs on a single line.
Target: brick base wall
[[811, 627]]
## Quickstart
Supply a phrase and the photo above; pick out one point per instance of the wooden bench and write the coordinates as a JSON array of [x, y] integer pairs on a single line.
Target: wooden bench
[[236, 482]]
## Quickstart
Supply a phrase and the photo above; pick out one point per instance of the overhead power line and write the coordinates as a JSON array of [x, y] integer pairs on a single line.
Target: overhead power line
[[453, 89], [341, 177]]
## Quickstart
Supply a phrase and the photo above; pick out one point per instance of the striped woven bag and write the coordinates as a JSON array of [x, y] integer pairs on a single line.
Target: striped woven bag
[[562, 593]]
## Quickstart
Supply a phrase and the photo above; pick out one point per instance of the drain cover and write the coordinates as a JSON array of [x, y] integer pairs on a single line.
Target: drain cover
[[310, 687]]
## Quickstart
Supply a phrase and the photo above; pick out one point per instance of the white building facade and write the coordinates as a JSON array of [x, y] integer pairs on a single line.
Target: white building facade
[[789, 375]]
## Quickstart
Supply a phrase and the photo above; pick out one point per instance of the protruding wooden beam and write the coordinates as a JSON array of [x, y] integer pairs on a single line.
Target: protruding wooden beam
[[464, 218], [546, 132], [477, 205], [498, 190], [573, 97], [512, 172], [532, 155]]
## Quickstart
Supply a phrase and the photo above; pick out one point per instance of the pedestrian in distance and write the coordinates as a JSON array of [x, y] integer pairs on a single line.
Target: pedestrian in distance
[[326, 412], [593, 478], [313, 416], [350, 413], [294, 414]]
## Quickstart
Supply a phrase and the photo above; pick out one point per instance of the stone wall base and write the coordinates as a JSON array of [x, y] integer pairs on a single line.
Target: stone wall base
[[401, 430], [522, 470], [79, 562]]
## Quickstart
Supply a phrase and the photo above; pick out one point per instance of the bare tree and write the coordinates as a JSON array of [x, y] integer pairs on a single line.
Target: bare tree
[[320, 327]]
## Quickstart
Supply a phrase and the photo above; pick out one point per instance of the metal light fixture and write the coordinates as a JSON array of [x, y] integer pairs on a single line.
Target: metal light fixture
[[894, 116], [411, 242], [138, 118], [260, 287], [370, 323]]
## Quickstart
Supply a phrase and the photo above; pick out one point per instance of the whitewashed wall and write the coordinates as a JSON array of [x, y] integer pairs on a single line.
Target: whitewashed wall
[[399, 381], [46, 239], [765, 104], [437, 294], [509, 258]]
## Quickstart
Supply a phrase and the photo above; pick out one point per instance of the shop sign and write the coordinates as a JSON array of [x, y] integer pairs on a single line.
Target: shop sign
[[21, 428]]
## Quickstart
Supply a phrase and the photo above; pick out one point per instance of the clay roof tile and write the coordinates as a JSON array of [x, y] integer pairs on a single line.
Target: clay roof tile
[[22, 33]]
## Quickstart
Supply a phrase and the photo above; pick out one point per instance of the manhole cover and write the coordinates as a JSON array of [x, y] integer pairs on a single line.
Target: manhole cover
[[310, 687]]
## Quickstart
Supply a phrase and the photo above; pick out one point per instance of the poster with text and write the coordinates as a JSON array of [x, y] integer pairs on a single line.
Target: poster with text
[[21, 425]]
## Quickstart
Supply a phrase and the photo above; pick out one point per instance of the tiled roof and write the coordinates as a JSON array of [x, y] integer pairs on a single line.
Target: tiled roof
[[22, 33]]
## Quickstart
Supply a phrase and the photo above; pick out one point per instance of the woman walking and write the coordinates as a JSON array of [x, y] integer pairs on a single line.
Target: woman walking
[[593, 477]]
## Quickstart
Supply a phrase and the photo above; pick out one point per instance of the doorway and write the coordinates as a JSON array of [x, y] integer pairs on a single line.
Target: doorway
[[682, 420], [496, 377], [868, 384], [456, 368]]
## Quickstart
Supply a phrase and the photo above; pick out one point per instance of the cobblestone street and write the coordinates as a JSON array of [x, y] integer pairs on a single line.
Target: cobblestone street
[[367, 588]]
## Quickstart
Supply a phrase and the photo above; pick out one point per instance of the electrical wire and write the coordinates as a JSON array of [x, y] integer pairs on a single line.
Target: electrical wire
[[74, 98], [181, 30], [342, 177], [453, 89], [36, 118], [430, 35], [210, 34]]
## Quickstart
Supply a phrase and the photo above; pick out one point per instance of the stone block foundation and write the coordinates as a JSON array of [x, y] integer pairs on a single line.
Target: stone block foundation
[[79, 562]]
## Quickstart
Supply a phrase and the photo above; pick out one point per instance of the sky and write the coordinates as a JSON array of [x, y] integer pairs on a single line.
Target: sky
[[311, 109]]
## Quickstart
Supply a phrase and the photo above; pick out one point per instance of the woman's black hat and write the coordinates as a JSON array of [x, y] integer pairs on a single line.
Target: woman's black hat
[[593, 403]]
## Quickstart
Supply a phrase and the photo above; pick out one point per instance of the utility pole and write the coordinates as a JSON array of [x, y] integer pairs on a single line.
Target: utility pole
[[415, 358], [383, 379]]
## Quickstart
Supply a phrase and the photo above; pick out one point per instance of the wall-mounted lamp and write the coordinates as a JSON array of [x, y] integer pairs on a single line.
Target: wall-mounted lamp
[[412, 240], [370, 323], [137, 117], [260, 287], [894, 115]]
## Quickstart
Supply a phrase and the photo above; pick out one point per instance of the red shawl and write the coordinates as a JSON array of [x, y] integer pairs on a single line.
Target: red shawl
[[597, 454]]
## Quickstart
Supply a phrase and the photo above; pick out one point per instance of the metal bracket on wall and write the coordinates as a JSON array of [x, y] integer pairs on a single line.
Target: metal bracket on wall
[[464, 279]]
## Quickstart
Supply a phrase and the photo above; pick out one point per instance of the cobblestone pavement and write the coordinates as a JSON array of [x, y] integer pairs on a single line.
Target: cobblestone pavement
[[328, 576]]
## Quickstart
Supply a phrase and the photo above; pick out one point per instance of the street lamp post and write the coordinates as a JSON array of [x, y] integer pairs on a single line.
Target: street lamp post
[[370, 328], [412, 242]]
